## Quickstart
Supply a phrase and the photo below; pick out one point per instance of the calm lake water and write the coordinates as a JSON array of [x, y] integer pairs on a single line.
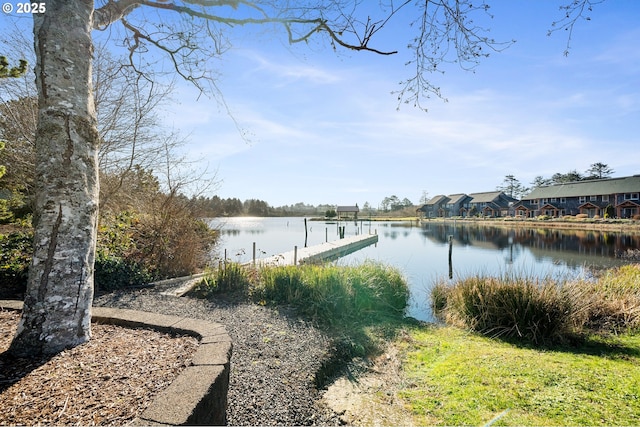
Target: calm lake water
[[421, 251]]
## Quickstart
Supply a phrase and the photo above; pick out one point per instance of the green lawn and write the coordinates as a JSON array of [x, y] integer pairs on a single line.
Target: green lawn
[[453, 378]]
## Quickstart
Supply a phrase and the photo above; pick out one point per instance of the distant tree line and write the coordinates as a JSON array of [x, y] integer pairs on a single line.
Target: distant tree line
[[514, 188], [218, 207], [595, 171]]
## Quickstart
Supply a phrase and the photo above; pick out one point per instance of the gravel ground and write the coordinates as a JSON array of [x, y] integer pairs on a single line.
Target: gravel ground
[[275, 357]]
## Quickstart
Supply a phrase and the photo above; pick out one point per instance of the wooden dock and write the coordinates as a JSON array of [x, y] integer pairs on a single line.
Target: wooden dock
[[318, 253], [323, 252]]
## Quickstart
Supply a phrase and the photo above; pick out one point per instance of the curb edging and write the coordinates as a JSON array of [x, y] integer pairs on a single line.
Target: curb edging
[[198, 395]]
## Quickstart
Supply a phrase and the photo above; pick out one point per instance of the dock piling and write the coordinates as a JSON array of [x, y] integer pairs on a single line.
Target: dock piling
[[450, 251]]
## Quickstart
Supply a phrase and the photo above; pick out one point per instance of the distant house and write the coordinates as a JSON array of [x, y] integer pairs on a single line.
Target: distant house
[[434, 208], [458, 205], [346, 210], [492, 203], [618, 196]]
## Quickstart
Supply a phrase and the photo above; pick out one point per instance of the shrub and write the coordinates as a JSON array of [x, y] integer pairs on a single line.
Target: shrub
[[163, 245], [15, 255], [636, 217], [582, 216], [507, 307], [113, 273], [609, 211]]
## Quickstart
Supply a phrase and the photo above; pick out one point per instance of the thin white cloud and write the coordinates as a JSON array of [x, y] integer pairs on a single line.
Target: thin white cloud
[[289, 70]]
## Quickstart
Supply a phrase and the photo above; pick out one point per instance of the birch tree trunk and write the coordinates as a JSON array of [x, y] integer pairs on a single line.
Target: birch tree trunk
[[57, 308]]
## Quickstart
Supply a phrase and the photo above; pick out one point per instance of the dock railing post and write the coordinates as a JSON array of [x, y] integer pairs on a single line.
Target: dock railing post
[[295, 255], [254, 254]]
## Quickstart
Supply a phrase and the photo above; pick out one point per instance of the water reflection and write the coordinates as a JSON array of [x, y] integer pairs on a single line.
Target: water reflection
[[572, 247], [420, 251]]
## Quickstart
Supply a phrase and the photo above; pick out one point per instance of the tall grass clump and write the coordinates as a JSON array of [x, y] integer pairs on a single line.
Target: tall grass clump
[[332, 294], [611, 302], [229, 277], [508, 307]]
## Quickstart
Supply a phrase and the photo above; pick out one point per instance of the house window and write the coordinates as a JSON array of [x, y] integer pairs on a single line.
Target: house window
[[593, 198], [582, 199], [534, 202], [631, 196], [545, 201], [563, 200], [605, 198], [553, 200]]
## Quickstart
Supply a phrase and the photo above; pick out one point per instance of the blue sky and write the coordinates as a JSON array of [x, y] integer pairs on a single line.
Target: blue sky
[[323, 127]]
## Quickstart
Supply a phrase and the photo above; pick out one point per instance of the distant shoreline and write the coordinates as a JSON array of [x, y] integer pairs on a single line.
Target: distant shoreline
[[586, 224], [627, 226]]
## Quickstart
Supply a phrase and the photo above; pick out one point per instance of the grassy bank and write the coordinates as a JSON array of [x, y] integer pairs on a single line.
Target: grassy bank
[[453, 377], [528, 353]]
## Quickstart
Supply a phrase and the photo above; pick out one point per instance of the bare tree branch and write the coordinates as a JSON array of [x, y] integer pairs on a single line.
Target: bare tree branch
[[446, 34], [573, 12]]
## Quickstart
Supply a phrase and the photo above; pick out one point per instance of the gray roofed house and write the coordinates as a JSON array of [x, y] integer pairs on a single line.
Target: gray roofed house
[[492, 203], [457, 205], [618, 197], [434, 207]]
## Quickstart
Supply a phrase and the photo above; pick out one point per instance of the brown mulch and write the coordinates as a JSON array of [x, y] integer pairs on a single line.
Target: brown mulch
[[109, 380]]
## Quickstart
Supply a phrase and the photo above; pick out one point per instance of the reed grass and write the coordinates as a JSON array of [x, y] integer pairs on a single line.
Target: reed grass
[[611, 303], [510, 307], [332, 295], [541, 311], [229, 277]]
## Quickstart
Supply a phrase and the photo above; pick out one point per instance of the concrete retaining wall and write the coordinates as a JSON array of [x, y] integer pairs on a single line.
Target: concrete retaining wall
[[198, 396]]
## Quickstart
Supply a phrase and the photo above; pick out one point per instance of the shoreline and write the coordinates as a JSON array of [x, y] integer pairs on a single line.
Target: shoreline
[[589, 225]]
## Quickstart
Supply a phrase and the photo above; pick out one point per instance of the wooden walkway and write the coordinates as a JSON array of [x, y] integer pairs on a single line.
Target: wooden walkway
[[324, 252]]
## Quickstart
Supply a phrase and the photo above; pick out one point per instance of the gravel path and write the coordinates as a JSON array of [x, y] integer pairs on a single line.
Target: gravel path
[[275, 357]]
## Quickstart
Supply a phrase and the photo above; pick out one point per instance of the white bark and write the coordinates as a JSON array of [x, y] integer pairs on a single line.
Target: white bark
[[57, 310]]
